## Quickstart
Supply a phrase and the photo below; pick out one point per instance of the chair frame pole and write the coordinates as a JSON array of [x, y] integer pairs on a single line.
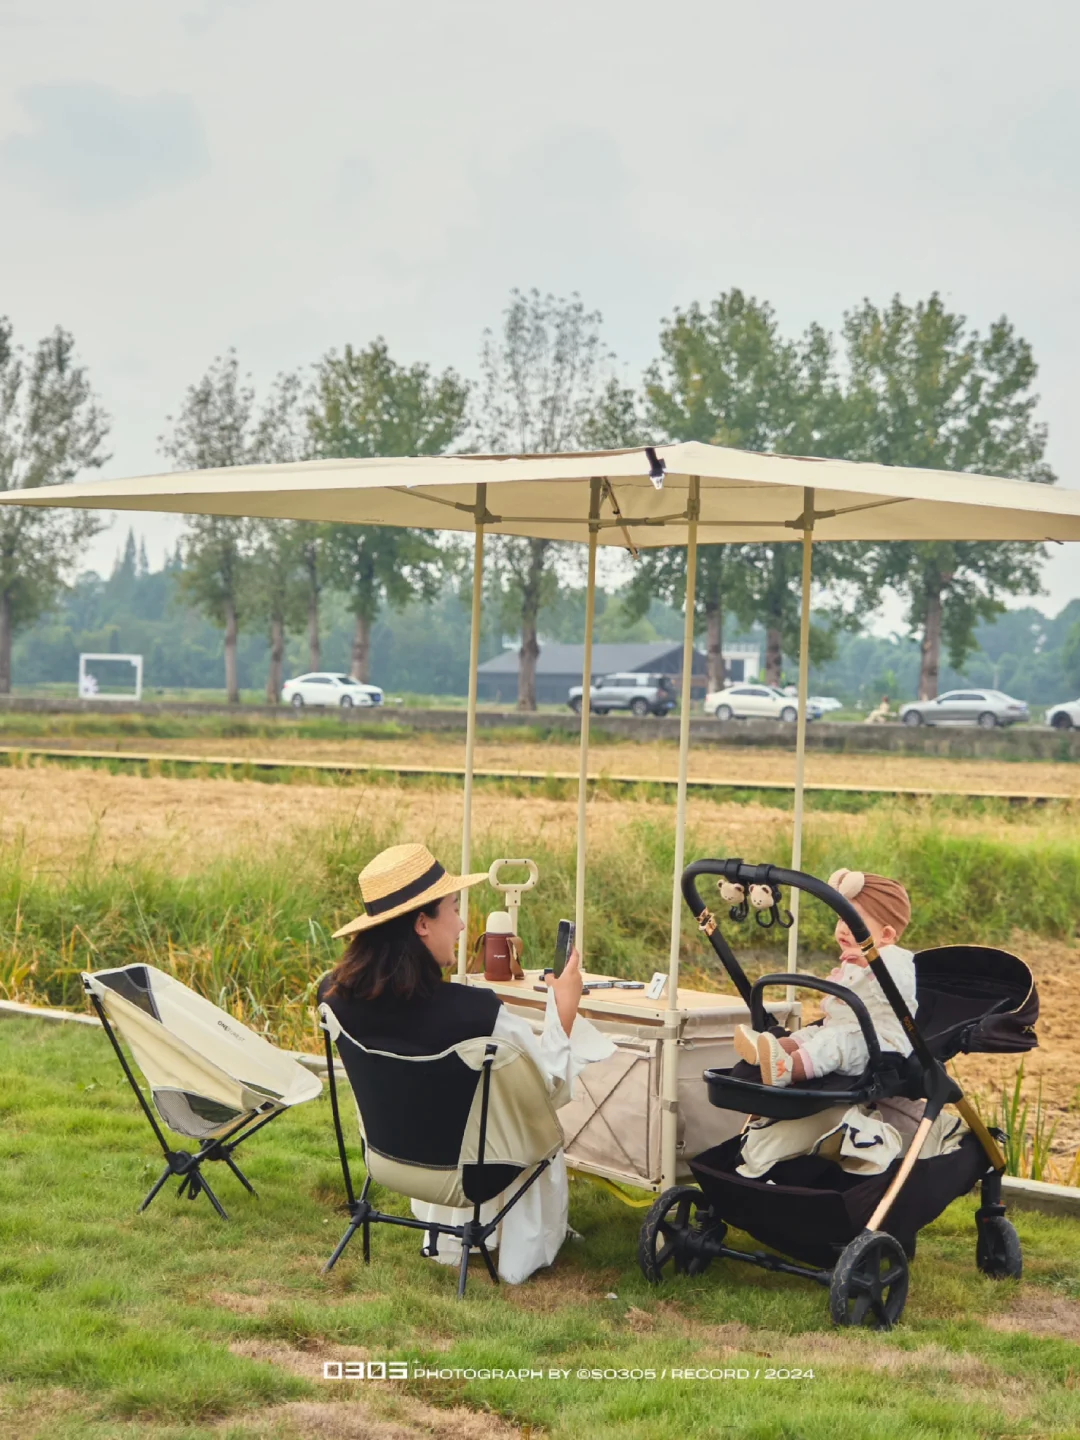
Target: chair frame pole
[[131, 1081], [332, 1085]]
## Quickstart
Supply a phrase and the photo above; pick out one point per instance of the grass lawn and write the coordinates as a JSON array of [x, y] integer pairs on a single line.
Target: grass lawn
[[173, 1324]]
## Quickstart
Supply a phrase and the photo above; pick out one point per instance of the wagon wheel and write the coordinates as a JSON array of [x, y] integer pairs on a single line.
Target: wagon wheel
[[870, 1282], [669, 1237], [997, 1250]]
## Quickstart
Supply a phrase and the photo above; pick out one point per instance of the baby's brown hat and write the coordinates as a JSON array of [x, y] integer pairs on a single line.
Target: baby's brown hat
[[886, 901]]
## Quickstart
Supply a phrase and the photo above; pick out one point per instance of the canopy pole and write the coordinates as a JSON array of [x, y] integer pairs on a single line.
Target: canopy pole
[[800, 726], [586, 715], [470, 724], [670, 1086]]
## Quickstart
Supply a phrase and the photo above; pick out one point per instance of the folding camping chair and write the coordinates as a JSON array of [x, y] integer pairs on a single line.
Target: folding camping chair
[[211, 1078], [457, 1128]]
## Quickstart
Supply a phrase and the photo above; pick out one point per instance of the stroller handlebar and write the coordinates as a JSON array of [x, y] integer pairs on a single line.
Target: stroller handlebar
[[743, 873], [829, 987]]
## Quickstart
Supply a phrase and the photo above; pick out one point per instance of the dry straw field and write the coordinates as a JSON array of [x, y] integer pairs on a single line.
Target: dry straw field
[[646, 759]]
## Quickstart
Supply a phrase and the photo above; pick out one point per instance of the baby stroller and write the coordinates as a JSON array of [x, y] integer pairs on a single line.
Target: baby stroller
[[829, 1221]]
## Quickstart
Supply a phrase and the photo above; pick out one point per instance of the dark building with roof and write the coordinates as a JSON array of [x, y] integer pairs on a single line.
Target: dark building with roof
[[559, 667]]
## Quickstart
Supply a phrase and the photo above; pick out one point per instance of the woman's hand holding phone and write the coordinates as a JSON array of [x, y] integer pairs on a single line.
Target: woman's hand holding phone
[[567, 987]]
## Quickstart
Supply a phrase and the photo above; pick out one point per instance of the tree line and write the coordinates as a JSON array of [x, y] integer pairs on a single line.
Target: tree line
[[422, 648], [899, 384]]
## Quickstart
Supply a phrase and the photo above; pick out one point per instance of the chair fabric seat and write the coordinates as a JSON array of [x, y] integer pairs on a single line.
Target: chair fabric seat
[[206, 1071]]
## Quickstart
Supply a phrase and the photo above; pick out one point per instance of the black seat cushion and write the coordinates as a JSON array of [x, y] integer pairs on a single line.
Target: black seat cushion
[[415, 1113]]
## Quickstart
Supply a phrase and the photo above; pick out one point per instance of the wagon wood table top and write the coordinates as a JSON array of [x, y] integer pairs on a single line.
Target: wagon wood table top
[[632, 1005]]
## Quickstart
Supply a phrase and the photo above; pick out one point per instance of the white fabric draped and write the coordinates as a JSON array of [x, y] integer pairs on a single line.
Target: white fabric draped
[[530, 1235]]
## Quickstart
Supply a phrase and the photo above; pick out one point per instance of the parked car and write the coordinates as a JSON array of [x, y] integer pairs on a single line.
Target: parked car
[[641, 694], [1065, 716], [825, 703], [756, 702], [987, 708], [325, 688]]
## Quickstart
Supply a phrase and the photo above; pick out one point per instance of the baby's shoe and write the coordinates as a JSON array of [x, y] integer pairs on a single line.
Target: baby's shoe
[[746, 1044], [776, 1064]]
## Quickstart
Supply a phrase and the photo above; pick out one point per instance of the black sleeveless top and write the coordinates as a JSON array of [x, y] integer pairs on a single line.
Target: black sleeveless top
[[421, 1026]]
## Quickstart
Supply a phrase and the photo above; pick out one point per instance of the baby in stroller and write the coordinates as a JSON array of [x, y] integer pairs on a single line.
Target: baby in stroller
[[836, 1045]]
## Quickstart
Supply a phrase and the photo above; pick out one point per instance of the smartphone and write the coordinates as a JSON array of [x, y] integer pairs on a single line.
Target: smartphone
[[564, 943]]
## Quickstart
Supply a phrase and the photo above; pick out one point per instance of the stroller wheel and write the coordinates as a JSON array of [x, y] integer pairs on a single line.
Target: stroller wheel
[[997, 1250], [671, 1240], [870, 1282]]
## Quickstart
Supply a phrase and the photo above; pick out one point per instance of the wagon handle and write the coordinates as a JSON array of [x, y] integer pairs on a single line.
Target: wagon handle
[[513, 892]]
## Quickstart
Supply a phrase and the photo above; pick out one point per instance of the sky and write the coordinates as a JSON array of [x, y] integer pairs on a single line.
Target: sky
[[176, 180]]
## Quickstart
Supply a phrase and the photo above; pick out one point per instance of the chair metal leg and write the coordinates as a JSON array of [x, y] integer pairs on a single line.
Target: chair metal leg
[[367, 1241], [156, 1188], [240, 1174], [198, 1182], [488, 1262], [463, 1274], [354, 1225]]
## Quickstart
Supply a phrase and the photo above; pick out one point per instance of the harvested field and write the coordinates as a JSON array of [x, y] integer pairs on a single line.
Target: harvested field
[[653, 759], [56, 815]]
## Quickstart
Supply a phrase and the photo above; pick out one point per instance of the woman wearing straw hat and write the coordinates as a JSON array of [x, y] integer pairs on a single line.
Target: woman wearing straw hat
[[387, 993]]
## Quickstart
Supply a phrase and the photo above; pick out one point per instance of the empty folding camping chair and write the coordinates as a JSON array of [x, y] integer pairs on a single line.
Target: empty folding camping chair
[[457, 1129], [211, 1078]]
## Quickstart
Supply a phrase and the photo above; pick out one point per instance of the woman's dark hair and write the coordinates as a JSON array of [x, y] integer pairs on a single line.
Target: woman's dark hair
[[389, 961]]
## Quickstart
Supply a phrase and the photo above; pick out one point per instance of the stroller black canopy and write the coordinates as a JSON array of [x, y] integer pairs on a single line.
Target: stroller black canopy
[[973, 998]]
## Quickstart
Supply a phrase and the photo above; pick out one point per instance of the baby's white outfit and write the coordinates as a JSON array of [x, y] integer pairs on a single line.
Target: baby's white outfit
[[837, 1044]]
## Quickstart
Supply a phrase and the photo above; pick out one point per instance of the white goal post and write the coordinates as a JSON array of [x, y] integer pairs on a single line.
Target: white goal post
[[90, 687]]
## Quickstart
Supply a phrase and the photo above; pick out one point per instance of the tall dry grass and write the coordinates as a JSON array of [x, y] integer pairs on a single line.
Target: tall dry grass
[[247, 917]]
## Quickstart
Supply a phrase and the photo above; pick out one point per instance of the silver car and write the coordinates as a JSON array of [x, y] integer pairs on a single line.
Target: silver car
[[639, 693], [986, 708]]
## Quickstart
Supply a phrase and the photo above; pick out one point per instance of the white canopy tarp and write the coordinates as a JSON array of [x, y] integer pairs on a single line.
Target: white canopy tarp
[[744, 497]]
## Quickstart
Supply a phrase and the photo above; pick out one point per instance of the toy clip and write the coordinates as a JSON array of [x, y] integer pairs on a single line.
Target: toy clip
[[734, 895]]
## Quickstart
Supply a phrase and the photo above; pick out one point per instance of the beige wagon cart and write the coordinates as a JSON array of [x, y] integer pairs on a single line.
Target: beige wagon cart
[[683, 495]]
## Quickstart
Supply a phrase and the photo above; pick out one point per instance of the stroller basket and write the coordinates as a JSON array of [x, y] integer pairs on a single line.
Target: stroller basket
[[814, 1208]]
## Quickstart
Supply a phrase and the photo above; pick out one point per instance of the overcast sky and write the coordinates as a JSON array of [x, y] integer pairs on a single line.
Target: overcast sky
[[282, 178]]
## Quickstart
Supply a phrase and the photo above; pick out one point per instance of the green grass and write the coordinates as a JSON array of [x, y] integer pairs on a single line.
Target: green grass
[[252, 930], [116, 1325], [127, 726]]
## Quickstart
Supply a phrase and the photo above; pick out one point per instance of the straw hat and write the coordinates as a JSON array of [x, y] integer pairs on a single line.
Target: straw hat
[[401, 879]]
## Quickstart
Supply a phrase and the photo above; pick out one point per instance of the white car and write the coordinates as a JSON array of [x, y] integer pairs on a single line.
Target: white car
[[825, 703], [325, 688], [756, 702], [1065, 716]]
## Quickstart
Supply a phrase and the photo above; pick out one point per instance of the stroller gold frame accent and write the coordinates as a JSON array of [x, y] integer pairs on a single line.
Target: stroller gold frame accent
[[829, 1221]]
